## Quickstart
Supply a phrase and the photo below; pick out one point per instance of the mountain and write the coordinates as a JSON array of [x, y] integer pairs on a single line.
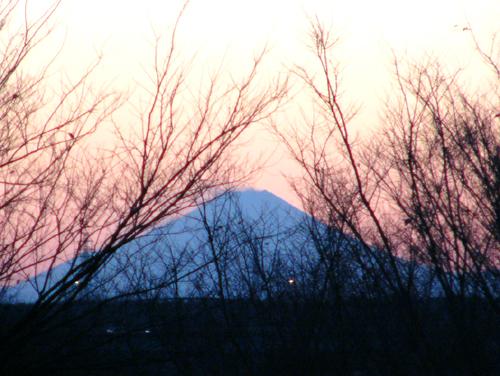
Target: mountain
[[243, 243], [173, 256]]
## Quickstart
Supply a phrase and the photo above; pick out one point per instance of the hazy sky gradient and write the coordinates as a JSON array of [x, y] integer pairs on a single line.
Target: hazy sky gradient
[[234, 30]]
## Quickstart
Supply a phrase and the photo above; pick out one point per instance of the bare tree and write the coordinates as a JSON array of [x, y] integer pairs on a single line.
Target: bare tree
[[420, 201], [57, 204]]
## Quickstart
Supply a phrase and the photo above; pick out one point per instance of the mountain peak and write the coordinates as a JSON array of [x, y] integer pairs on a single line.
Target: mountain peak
[[253, 203]]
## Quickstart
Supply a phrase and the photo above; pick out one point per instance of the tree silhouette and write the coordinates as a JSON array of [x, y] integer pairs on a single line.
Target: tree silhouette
[[421, 197], [56, 199]]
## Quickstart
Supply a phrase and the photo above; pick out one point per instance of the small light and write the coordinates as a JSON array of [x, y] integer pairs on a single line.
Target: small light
[[77, 283], [147, 331], [291, 281]]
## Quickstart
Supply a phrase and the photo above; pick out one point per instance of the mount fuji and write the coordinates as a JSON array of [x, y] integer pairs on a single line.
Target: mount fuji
[[243, 243], [177, 258]]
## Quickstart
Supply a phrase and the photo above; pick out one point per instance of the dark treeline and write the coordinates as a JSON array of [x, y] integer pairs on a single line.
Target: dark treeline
[[194, 336]]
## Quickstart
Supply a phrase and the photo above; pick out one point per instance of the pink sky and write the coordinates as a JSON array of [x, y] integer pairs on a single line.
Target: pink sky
[[233, 30]]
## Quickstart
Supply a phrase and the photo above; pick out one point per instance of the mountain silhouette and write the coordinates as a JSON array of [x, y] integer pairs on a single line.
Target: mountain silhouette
[[183, 242], [261, 244]]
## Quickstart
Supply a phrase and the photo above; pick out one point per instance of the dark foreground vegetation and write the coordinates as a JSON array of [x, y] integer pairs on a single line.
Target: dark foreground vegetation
[[286, 337]]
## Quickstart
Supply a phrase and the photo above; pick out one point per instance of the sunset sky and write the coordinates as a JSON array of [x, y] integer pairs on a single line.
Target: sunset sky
[[234, 30]]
